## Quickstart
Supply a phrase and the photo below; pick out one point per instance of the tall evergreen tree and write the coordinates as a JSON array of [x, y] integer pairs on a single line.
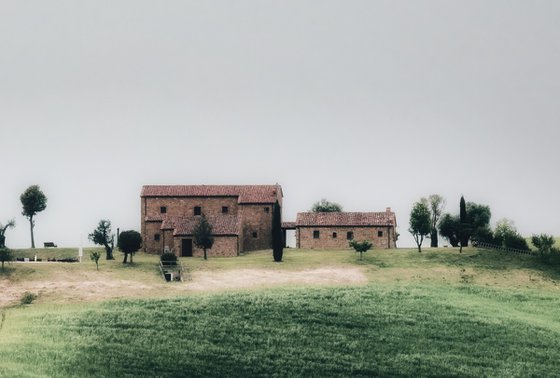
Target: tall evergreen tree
[[277, 235], [463, 224]]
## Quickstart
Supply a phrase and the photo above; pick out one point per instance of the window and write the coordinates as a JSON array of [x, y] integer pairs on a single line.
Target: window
[[163, 209], [255, 234], [197, 210], [315, 234], [380, 234], [334, 235], [267, 209], [225, 209], [156, 237], [349, 235]]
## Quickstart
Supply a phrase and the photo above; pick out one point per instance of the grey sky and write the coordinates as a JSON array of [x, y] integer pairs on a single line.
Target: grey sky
[[367, 103]]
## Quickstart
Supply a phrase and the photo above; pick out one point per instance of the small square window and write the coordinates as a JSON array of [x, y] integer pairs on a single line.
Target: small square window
[[156, 237], [163, 209], [334, 235], [380, 234], [225, 209], [255, 234], [197, 210], [267, 209], [315, 234], [349, 235]]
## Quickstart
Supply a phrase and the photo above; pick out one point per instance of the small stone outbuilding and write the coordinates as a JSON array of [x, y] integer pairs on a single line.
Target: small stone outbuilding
[[336, 229]]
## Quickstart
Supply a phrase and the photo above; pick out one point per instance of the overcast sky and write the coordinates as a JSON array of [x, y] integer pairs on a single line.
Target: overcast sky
[[367, 103]]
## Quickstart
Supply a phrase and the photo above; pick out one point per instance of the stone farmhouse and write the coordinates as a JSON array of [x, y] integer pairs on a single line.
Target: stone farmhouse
[[335, 230], [241, 217]]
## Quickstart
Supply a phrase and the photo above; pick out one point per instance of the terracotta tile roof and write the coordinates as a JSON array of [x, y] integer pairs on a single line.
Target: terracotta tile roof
[[221, 225], [245, 193], [386, 218], [289, 225], [155, 218]]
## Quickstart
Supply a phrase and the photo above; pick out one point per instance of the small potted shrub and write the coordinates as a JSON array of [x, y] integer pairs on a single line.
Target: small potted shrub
[[168, 258]]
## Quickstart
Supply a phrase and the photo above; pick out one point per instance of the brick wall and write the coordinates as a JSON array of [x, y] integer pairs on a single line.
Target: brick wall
[[184, 206], [224, 246], [326, 240], [149, 229], [254, 218]]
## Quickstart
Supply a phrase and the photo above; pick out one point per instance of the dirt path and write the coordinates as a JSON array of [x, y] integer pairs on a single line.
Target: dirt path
[[98, 286]]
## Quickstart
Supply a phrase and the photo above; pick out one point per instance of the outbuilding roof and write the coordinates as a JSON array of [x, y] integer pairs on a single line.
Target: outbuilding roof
[[385, 218], [245, 193], [221, 224]]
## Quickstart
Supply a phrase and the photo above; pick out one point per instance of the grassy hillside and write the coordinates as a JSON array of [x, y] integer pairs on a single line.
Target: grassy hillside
[[437, 313]]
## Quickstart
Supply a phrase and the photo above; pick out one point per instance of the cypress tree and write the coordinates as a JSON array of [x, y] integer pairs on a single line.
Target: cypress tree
[[463, 234], [277, 235]]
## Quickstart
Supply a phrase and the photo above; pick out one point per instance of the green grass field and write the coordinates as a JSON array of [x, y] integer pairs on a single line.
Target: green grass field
[[438, 313]]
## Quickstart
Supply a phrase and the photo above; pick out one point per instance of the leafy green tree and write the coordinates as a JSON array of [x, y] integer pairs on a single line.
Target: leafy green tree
[[11, 223], [507, 236], [545, 244], [5, 255], [104, 236], [202, 235], [449, 228], [420, 223], [277, 235], [129, 242], [33, 201], [436, 204], [478, 218], [94, 256], [324, 206], [361, 247]]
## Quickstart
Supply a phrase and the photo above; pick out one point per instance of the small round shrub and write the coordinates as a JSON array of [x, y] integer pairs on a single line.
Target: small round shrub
[[169, 258], [28, 297]]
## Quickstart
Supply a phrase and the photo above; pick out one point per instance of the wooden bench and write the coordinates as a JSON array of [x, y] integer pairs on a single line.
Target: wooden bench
[[49, 244]]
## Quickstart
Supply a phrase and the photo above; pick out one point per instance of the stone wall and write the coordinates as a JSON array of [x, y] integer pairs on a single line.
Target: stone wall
[[184, 206], [224, 246], [326, 240], [256, 222], [149, 229], [257, 226]]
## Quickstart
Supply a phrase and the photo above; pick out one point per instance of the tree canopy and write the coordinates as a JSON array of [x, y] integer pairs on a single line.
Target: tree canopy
[[436, 204], [475, 224], [33, 201], [11, 223], [420, 223], [324, 206], [129, 242], [361, 247], [103, 235], [202, 235]]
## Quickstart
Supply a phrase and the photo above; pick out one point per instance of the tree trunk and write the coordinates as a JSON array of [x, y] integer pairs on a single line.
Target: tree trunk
[[205, 257], [2, 266], [125, 257], [109, 252], [132, 254], [434, 239], [31, 225]]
